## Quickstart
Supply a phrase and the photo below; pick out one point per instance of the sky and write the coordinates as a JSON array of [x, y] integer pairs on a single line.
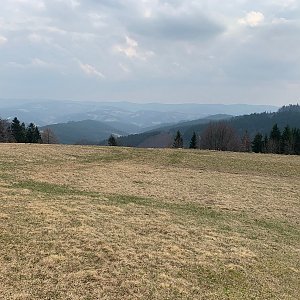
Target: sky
[[173, 51]]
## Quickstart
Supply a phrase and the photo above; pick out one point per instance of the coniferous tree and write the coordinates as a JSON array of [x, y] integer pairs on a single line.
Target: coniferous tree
[[275, 137], [257, 143], [178, 141], [286, 145], [296, 138], [18, 131], [23, 129], [265, 147], [112, 141], [193, 142], [33, 134], [37, 135]]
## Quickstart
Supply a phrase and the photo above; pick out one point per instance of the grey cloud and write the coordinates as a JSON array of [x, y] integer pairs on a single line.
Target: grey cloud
[[177, 27], [200, 51], [270, 53]]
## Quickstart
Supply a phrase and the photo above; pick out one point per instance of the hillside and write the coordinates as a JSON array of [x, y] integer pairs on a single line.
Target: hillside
[[83, 132], [162, 137], [119, 223], [253, 123]]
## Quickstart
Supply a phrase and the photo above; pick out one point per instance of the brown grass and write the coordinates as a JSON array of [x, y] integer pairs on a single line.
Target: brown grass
[[116, 223]]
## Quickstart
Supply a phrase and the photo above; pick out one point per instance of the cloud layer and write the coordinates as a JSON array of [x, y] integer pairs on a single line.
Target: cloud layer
[[169, 51]]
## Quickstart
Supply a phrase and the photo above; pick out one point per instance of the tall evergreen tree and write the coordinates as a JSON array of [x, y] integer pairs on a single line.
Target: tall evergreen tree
[[37, 135], [265, 147], [275, 137], [18, 131], [178, 141], [257, 143], [296, 138], [33, 134], [286, 143], [112, 141], [193, 142]]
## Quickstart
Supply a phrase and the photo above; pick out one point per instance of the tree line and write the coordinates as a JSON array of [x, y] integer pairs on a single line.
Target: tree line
[[221, 136], [285, 142], [17, 132]]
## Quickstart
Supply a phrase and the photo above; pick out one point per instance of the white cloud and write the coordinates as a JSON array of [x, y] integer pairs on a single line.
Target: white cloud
[[36, 38], [37, 62], [90, 70], [252, 19], [38, 5], [131, 50], [3, 40], [124, 68]]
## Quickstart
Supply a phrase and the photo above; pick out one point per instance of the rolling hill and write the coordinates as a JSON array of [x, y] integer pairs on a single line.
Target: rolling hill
[[83, 132], [125, 116], [253, 123]]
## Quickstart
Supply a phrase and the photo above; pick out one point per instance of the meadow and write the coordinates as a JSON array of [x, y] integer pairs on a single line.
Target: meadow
[[79, 222]]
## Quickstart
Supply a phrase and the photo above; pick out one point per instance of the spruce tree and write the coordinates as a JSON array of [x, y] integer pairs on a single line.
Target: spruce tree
[[193, 142], [257, 143], [178, 141], [296, 138], [275, 137], [33, 134], [286, 143], [18, 131], [112, 141], [265, 148], [37, 138]]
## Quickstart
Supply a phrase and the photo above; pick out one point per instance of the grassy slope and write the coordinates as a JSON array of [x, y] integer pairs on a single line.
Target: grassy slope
[[115, 223]]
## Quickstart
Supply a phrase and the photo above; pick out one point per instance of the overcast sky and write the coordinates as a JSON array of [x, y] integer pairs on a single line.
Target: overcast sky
[[205, 51]]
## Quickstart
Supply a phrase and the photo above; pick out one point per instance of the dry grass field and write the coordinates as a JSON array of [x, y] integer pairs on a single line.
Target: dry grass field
[[116, 223]]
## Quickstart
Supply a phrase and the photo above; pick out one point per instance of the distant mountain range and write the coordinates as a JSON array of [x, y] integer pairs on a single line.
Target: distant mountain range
[[89, 122], [131, 117]]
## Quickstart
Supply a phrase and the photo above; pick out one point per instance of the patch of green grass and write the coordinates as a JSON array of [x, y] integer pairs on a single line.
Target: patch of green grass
[[109, 156], [52, 189], [281, 228], [222, 219], [44, 187], [7, 166], [176, 157], [188, 209]]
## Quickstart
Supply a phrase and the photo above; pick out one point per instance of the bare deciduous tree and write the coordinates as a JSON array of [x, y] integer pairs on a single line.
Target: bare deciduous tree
[[5, 132], [48, 137], [220, 136], [246, 142]]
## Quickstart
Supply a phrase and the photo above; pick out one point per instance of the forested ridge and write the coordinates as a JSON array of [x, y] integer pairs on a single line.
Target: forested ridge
[[277, 132], [251, 124]]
